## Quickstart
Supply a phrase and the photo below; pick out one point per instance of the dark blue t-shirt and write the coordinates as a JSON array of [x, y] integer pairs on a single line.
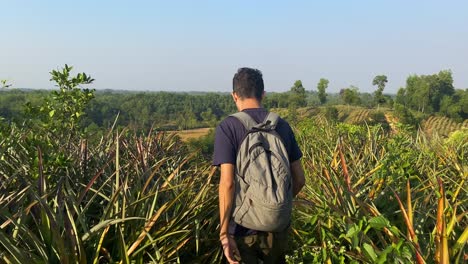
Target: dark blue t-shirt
[[229, 135]]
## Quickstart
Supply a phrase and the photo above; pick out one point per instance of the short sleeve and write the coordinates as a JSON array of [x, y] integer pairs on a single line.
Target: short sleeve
[[224, 148], [286, 132], [295, 152]]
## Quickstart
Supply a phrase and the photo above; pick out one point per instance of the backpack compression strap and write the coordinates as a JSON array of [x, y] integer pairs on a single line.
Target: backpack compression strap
[[269, 123]]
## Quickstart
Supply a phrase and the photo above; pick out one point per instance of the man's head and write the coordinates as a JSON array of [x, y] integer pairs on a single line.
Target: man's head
[[248, 83]]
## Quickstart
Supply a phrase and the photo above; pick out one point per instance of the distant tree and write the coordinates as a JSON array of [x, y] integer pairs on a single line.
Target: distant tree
[[209, 117], [441, 84], [463, 103], [401, 97], [321, 87], [298, 95], [455, 106], [449, 108], [405, 116], [350, 95], [186, 120], [276, 100], [417, 93], [380, 81], [366, 99], [425, 93]]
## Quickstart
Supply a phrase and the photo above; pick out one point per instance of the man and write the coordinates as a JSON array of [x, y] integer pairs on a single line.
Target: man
[[240, 244]]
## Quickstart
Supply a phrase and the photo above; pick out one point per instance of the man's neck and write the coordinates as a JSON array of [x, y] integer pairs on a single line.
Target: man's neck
[[248, 103]]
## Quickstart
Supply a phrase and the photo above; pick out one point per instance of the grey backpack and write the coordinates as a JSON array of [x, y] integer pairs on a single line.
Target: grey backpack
[[263, 196]]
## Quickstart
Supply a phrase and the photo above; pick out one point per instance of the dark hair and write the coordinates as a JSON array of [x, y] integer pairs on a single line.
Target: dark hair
[[248, 83]]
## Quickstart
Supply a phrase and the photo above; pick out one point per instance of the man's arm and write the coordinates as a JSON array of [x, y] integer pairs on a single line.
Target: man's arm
[[298, 178], [226, 196]]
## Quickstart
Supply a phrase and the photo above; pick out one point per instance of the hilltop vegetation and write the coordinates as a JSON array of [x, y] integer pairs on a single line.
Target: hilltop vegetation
[[131, 194]]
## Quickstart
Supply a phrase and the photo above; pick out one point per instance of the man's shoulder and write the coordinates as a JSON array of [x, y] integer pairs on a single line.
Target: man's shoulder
[[282, 120], [282, 123], [229, 122], [230, 127]]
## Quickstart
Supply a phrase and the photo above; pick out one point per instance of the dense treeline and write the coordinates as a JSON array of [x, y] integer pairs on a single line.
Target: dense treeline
[[137, 110], [162, 109], [13, 101], [423, 96], [141, 110]]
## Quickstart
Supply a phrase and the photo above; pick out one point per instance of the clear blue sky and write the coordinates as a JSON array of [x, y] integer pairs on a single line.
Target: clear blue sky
[[198, 45]]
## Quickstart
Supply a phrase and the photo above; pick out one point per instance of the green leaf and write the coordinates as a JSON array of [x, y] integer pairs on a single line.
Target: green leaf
[[383, 255], [51, 113], [379, 222], [354, 230], [370, 252], [395, 230], [106, 223]]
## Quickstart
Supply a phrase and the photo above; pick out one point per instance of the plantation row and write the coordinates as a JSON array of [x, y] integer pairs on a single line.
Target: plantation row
[[442, 125]]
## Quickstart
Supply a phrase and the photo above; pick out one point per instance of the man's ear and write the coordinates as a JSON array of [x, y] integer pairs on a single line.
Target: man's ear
[[235, 97]]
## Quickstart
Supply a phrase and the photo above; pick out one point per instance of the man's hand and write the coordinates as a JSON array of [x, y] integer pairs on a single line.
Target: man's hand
[[230, 249]]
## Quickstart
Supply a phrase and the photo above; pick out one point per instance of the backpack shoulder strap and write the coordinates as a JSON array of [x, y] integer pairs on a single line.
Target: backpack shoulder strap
[[271, 120], [246, 120]]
